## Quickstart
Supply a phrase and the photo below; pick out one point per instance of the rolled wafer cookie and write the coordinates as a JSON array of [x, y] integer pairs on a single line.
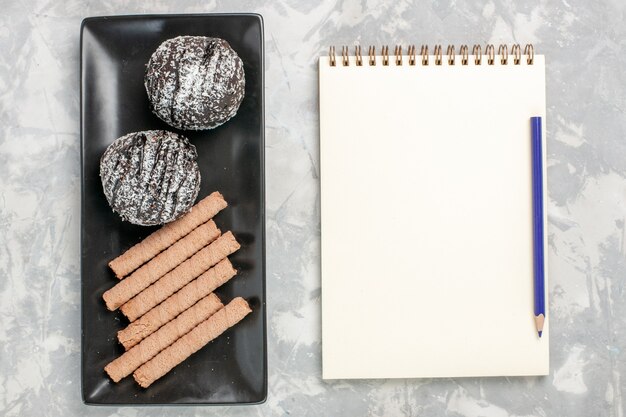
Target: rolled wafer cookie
[[176, 304], [180, 276], [193, 341], [167, 235], [160, 265], [162, 338]]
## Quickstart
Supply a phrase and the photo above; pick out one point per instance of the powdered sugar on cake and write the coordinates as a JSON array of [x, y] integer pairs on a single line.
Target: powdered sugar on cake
[[150, 177], [195, 82]]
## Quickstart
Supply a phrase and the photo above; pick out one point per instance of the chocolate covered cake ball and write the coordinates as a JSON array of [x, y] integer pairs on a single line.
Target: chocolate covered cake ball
[[150, 177], [195, 82]]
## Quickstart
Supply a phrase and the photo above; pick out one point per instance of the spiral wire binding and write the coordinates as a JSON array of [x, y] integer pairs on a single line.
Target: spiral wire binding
[[529, 51], [398, 54], [477, 52], [344, 56], [412, 55], [516, 51], [451, 54], [490, 52], [437, 54], [503, 52], [464, 55], [424, 54], [372, 54]]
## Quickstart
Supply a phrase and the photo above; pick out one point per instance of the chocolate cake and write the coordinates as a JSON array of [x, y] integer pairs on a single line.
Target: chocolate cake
[[150, 177], [195, 82]]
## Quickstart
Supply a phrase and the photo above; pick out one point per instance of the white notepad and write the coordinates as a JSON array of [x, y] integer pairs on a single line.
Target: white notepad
[[427, 251]]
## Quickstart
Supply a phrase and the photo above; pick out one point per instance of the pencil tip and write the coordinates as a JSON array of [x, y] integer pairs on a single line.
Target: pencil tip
[[539, 333]]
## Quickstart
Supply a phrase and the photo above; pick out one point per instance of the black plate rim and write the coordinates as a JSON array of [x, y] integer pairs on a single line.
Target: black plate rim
[[83, 23]]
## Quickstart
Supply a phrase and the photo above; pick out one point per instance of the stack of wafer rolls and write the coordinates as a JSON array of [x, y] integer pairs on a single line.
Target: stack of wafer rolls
[[160, 265], [166, 291], [176, 304], [183, 274], [162, 338], [166, 236], [193, 341]]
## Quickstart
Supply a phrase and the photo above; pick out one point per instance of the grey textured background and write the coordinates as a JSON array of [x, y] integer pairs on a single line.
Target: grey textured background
[[39, 204]]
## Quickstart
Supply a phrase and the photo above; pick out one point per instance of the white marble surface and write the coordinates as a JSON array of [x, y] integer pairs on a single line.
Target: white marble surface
[[39, 204]]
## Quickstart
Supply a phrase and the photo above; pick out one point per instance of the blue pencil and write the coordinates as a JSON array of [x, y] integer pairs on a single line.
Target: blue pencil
[[538, 249]]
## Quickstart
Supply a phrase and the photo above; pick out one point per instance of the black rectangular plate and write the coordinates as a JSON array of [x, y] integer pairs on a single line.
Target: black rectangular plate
[[114, 52]]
